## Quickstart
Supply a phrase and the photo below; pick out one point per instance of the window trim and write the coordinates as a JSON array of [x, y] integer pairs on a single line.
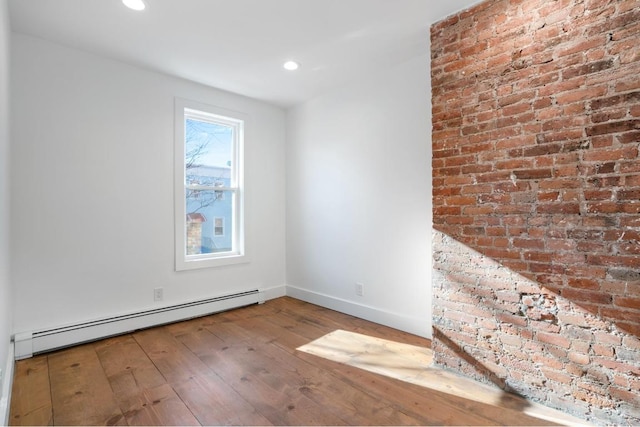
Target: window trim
[[185, 108]]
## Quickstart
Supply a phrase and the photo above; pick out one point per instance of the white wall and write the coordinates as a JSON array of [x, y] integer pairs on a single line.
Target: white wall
[[5, 288], [92, 188], [359, 198]]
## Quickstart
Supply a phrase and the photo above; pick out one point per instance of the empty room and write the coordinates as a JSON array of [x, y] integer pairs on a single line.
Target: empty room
[[320, 212]]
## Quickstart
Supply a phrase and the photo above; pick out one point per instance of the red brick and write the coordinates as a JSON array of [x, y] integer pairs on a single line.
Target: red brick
[[583, 283], [607, 338], [611, 155], [558, 208], [579, 358], [629, 316], [512, 319], [631, 342], [609, 115], [550, 196], [546, 136], [579, 295], [538, 256], [458, 316], [626, 395], [628, 194], [528, 243], [603, 350], [461, 200], [597, 194], [614, 127], [554, 339], [557, 376], [627, 302], [533, 173], [593, 399], [604, 207]]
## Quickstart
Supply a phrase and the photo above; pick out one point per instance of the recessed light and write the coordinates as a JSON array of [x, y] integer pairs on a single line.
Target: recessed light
[[291, 65], [134, 4]]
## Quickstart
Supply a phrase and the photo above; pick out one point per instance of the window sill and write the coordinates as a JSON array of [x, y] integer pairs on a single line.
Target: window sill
[[219, 261]]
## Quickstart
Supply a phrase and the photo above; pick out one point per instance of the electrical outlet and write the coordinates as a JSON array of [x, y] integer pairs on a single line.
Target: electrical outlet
[[359, 289], [157, 294]]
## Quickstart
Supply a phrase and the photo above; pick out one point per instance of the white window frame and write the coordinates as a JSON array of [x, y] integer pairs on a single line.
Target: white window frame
[[191, 109]]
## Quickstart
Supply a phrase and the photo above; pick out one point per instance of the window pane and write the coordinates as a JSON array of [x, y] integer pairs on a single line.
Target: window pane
[[208, 152], [209, 221]]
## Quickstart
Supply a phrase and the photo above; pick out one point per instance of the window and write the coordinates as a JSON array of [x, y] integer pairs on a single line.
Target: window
[[218, 226], [208, 187]]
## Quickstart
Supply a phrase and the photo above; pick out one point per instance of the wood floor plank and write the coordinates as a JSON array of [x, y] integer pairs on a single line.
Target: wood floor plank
[[142, 392], [288, 338], [81, 394], [31, 394], [127, 366], [421, 404], [299, 331], [280, 402], [274, 364], [237, 366], [346, 402], [174, 361], [331, 320], [214, 402], [158, 406], [230, 332], [289, 333], [184, 371]]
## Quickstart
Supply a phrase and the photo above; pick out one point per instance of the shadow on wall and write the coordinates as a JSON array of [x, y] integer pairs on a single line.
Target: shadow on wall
[[496, 325]]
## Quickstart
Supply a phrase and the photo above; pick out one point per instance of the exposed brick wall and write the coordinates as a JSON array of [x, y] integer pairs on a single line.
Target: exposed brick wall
[[536, 201]]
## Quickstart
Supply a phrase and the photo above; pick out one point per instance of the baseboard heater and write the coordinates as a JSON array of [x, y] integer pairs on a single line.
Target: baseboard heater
[[33, 342]]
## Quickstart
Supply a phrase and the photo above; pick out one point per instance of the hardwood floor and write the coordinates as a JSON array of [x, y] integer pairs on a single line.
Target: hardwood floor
[[240, 367]]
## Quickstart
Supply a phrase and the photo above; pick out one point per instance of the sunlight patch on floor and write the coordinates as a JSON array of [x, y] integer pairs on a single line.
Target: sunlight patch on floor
[[413, 364], [397, 360]]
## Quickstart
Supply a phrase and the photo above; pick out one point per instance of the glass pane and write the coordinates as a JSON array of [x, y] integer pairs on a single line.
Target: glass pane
[[208, 153], [209, 221]]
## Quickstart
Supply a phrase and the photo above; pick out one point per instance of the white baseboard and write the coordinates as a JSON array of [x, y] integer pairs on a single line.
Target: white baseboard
[[5, 390], [28, 343], [274, 292], [413, 325]]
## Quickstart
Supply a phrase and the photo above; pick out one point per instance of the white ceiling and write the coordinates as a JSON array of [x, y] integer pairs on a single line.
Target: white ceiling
[[240, 45]]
